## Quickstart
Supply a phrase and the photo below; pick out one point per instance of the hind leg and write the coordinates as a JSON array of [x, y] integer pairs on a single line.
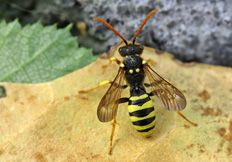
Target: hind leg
[[153, 93], [112, 135], [185, 118], [114, 122]]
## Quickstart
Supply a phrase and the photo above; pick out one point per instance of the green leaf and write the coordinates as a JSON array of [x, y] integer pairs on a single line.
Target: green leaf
[[34, 53]]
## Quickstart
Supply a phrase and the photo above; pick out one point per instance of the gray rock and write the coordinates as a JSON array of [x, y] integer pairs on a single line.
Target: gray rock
[[191, 30]]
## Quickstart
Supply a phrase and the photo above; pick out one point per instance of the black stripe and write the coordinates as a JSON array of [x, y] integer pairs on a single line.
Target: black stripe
[[142, 113], [139, 102], [144, 121], [146, 130]]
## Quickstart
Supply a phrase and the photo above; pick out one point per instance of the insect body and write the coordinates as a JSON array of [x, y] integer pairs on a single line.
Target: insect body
[[142, 113], [140, 106], [134, 69]]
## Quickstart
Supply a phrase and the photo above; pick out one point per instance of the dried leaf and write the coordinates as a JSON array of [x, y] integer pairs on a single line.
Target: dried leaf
[[52, 122]]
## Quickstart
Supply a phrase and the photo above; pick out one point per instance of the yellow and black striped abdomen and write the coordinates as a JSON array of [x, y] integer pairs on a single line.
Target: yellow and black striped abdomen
[[142, 114]]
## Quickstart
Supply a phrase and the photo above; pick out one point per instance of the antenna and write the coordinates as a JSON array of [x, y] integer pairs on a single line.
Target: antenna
[[109, 26], [144, 22]]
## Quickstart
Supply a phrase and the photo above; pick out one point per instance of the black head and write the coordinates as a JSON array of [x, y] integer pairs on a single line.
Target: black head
[[130, 49]]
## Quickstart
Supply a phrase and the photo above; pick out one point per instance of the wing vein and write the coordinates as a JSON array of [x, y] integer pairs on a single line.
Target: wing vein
[[170, 97]]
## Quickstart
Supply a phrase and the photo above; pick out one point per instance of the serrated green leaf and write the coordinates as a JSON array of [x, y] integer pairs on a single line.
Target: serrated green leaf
[[34, 53]]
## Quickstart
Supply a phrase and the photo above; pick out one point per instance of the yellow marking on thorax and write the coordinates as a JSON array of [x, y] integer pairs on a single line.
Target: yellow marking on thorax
[[137, 70], [131, 71], [122, 65]]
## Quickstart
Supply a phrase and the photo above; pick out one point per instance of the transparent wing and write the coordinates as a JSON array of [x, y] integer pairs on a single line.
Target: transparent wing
[[170, 97], [107, 108]]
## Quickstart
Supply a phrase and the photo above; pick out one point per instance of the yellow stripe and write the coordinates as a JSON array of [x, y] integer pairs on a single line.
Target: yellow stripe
[[134, 118], [147, 133], [144, 127], [139, 97], [132, 108]]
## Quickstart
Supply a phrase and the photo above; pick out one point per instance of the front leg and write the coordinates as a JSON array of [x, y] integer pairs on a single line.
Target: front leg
[[97, 86], [111, 60], [151, 62]]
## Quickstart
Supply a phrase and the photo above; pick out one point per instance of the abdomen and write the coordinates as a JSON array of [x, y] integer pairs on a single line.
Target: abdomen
[[142, 114]]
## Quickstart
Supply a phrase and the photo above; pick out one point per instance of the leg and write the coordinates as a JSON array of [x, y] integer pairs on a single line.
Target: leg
[[99, 85], [185, 118], [121, 100], [194, 124], [151, 62], [111, 60], [112, 135]]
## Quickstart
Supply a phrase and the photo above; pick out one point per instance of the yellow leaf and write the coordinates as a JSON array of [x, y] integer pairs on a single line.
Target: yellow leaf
[[52, 122]]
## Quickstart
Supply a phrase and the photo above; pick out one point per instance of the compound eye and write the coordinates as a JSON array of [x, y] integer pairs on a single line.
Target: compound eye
[[120, 50], [128, 50]]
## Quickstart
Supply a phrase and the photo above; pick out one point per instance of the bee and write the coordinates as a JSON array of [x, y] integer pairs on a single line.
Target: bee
[[134, 69]]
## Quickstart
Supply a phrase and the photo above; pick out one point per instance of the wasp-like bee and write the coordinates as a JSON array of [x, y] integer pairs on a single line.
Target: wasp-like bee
[[134, 70]]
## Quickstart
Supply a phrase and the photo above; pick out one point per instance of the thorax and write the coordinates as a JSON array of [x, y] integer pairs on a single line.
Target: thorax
[[134, 73]]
